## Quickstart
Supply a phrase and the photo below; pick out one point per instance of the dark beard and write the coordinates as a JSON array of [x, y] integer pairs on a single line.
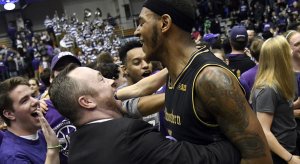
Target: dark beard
[[154, 44], [154, 37]]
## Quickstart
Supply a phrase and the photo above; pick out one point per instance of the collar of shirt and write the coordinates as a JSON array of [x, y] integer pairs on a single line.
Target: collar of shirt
[[99, 121]]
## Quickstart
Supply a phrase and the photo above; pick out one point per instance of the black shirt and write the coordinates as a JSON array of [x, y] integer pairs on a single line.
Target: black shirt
[[181, 119]]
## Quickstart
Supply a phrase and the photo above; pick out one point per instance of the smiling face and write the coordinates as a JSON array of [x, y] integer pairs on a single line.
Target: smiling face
[[149, 33], [24, 106], [136, 66], [97, 86]]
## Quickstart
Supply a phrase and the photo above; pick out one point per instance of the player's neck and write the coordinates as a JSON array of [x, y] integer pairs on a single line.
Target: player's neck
[[177, 59]]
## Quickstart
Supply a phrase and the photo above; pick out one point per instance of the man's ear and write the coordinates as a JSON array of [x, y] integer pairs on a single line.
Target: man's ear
[[9, 114], [166, 22], [125, 73], [87, 102]]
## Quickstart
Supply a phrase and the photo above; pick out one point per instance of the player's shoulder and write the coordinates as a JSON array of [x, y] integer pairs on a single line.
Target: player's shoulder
[[214, 71]]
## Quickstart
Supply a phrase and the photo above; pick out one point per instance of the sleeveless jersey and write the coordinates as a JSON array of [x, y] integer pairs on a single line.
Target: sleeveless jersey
[[181, 120]]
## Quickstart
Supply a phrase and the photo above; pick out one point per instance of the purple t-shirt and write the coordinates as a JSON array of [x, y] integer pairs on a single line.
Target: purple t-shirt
[[249, 76], [1, 136], [35, 64], [15, 149], [62, 128], [298, 82]]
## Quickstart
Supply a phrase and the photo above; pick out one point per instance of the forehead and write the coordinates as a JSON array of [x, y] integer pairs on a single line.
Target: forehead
[[135, 53], [19, 92], [83, 73], [31, 81], [295, 38], [146, 13]]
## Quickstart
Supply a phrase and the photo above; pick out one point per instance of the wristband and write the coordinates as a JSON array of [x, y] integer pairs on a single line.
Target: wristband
[[290, 158], [54, 147]]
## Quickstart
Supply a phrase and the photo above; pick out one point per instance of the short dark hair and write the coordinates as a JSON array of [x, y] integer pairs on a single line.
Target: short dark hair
[[226, 46], [45, 77], [108, 70], [105, 57], [255, 48], [92, 65], [127, 47], [6, 87], [240, 46], [64, 92]]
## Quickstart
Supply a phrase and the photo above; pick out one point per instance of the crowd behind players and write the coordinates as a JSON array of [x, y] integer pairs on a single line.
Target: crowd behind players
[[95, 45], [32, 52]]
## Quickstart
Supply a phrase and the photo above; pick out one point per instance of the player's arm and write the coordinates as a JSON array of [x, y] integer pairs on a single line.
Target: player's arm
[[144, 87], [143, 106], [151, 104], [224, 100]]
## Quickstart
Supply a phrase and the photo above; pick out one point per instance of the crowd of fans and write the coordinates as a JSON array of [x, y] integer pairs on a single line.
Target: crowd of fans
[[32, 52], [261, 16]]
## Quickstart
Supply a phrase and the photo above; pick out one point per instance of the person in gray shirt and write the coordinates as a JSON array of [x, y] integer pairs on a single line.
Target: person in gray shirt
[[272, 98]]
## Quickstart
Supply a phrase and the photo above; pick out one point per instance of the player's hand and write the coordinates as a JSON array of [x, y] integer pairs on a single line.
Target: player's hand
[[43, 106]]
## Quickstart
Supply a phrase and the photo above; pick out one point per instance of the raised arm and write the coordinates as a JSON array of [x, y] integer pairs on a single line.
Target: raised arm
[[144, 87], [223, 98], [53, 146]]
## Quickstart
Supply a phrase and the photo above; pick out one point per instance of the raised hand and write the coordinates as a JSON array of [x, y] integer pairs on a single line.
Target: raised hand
[[43, 106], [48, 132]]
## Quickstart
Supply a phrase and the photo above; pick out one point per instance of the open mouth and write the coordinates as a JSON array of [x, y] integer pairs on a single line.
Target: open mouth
[[34, 114], [146, 74]]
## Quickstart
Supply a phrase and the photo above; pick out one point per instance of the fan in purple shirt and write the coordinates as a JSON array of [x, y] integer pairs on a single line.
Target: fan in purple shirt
[[248, 77], [21, 142]]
